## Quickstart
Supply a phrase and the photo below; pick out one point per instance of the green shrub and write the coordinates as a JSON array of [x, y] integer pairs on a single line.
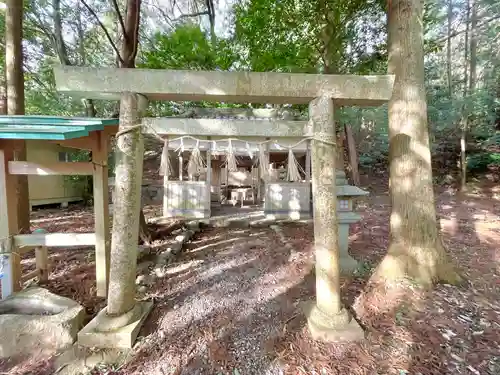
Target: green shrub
[[480, 162]]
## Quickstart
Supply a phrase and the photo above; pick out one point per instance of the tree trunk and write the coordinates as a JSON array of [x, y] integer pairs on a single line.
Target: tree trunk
[[90, 110], [62, 51], [448, 49], [131, 34], [473, 47], [415, 248], [128, 214], [465, 117], [15, 97], [128, 55], [211, 19], [3, 95], [471, 88], [129, 159]]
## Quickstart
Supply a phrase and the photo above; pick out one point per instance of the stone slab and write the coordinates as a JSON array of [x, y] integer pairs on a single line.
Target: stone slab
[[123, 338], [234, 223], [287, 215], [186, 213], [35, 319], [78, 360], [219, 86], [226, 128]]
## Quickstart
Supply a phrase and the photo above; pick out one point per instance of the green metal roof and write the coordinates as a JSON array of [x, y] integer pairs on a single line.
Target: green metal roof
[[50, 127]]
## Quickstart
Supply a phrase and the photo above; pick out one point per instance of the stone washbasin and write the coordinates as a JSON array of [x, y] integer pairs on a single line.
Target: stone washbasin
[[35, 319]]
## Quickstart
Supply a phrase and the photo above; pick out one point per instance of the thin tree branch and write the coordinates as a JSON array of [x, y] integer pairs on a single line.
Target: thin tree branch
[[197, 14], [136, 30], [35, 77], [41, 26], [119, 15], [96, 17], [480, 24], [162, 12]]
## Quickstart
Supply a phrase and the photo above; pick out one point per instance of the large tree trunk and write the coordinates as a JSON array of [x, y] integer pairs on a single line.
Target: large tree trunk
[[415, 248], [15, 97]]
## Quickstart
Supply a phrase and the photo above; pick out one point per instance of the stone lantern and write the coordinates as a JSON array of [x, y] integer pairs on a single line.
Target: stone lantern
[[346, 216]]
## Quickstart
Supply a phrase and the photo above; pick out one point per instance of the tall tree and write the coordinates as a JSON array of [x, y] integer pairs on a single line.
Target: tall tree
[[464, 122], [62, 51], [129, 153], [3, 94], [415, 249], [470, 85], [448, 49], [15, 96], [127, 55]]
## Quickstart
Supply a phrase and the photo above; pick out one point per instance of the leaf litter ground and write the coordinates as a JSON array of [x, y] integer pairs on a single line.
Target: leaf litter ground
[[230, 304]]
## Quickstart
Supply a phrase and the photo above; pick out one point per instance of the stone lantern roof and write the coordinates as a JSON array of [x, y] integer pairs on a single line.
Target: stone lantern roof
[[345, 190]]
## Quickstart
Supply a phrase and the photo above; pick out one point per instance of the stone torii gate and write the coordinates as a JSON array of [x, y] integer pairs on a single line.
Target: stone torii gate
[[118, 324]]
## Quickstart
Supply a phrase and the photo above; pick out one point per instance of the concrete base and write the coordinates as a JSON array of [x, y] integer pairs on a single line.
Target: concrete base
[[78, 360], [347, 264], [35, 319], [124, 337], [287, 215], [187, 213], [336, 328]]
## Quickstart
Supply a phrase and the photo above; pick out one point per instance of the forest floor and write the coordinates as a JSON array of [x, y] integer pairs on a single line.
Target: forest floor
[[230, 304]]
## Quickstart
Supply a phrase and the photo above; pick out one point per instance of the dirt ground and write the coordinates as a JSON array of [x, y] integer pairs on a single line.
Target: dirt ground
[[230, 304]]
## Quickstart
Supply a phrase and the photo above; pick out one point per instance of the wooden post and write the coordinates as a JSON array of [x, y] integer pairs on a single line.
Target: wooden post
[[10, 260], [353, 155], [308, 162], [165, 185], [42, 263], [259, 187], [180, 166], [209, 175], [101, 211]]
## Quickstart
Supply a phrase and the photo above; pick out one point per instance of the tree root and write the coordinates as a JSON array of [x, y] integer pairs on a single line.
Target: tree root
[[425, 266]]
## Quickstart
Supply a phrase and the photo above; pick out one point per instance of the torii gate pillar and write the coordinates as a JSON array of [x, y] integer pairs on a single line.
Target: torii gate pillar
[[328, 320]]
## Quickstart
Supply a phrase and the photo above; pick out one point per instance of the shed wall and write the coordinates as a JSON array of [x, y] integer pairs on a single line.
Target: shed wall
[[49, 189]]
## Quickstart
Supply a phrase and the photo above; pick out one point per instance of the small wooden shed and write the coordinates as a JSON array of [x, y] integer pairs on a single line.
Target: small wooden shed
[[91, 134], [48, 189]]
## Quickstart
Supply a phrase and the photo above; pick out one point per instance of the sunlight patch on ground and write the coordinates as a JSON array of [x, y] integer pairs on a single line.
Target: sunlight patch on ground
[[449, 225], [215, 244], [183, 267], [57, 218], [218, 269]]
